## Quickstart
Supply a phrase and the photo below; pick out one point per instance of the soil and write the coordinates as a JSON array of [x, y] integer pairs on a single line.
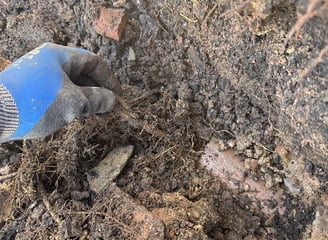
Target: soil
[[205, 72]]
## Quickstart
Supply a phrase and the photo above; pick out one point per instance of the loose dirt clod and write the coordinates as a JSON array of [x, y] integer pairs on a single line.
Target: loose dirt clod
[[114, 208]]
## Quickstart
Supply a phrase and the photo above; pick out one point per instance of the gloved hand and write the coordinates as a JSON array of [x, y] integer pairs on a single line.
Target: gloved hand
[[50, 86]]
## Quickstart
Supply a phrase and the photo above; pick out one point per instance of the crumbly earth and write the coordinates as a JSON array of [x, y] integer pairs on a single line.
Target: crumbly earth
[[201, 71]]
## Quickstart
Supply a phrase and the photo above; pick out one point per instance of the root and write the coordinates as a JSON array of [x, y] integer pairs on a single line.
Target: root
[[127, 115], [8, 176], [313, 9], [315, 62]]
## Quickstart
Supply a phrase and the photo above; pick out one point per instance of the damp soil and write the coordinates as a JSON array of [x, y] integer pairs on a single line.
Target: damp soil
[[192, 72]]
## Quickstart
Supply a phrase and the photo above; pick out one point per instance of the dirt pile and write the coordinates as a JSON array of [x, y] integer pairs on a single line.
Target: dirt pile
[[193, 72]]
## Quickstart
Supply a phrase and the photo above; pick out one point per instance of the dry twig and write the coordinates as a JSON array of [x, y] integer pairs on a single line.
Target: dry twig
[[315, 62], [5, 177], [209, 14], [119, 224], [188, 19]]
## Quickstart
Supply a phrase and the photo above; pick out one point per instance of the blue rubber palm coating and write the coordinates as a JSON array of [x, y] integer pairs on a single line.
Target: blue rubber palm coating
[[34, 81]]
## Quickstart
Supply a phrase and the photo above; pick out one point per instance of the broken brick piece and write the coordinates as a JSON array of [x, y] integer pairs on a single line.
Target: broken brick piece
[[111, 23]]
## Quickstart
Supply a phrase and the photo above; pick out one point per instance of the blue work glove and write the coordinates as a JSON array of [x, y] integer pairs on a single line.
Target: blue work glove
[[49, 87]]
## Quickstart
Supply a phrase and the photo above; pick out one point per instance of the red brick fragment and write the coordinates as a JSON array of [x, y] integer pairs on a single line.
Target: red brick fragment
[[111, 23]]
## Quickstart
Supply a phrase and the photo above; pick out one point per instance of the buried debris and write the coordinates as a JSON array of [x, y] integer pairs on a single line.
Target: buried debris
[[109, 168], [229, 168]]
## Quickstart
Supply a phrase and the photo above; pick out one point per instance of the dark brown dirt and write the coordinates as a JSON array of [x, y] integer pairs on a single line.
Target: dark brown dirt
[[204, 70]]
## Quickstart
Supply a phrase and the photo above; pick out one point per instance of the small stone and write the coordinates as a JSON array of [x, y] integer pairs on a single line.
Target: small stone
[[231, 143], [211, 104], [198, 228], [290, 50], [258, 151], [111, 23], [278, 179], [268, 180], [132, 55], [248, 153], [180, 40], [109, 168]]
